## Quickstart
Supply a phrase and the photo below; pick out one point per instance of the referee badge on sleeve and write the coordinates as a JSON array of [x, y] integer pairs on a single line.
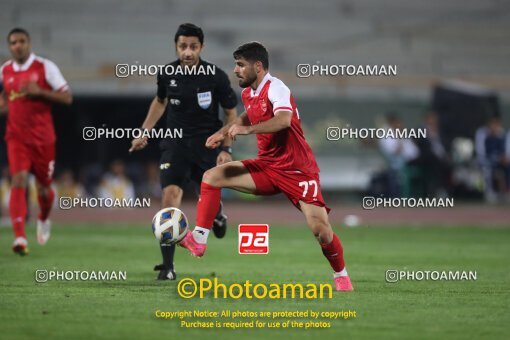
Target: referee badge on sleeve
[[204, 99]]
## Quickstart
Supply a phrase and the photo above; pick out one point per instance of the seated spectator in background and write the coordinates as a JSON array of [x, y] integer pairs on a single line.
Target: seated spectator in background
[[434, 160], [115, 184], [67, 186], [398, 153], [490, 143], [151, 186]]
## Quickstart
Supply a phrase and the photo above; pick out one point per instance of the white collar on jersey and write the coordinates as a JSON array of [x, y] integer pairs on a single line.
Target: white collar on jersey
[[23, 67], [261, 85]]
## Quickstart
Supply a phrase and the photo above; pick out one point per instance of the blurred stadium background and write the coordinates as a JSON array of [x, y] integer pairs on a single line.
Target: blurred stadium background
[[452, 58]]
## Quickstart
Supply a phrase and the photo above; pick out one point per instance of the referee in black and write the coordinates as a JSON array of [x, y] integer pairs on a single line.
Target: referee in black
[[192, 104]]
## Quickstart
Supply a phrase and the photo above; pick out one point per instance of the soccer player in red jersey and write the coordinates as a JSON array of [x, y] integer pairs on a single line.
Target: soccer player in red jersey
[[285, 162], [30, 85]]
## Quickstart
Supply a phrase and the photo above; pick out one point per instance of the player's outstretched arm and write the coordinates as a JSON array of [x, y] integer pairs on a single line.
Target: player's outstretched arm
[[225, 155], [218, 137], [156, 110], [33, 90], [60, 97], [280, 121], [230, 118]]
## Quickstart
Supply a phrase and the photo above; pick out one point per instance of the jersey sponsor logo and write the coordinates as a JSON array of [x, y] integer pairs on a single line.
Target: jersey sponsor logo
[[13, 95], [253, 239], [175, 102], [204, 99]]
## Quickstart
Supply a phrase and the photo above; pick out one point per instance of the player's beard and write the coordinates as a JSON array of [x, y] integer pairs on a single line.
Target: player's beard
[[189, 62], [20, 56], [247, 81]]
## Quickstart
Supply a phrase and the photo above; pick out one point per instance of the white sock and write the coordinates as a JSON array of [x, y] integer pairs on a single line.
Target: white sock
[[21, 240], [200, 234], [342, 273]]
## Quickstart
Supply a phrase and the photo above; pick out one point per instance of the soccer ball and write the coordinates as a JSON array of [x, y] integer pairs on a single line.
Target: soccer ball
[[170, 225]]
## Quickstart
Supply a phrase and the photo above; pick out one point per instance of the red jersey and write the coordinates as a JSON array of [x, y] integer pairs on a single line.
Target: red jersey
[[29, 120], [286, 149]]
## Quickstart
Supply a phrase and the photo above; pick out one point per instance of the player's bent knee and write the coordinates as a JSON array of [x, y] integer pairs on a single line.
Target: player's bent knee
[[42, 186], [19, 180], [212, 177], [207, 177], [43, 190], [322, 231], [324, 236]]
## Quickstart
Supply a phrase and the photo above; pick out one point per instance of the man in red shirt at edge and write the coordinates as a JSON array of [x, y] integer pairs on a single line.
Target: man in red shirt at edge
[[30, 85], [285, 162]]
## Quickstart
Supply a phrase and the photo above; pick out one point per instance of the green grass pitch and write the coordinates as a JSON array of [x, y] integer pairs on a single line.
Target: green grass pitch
[[125, 309]]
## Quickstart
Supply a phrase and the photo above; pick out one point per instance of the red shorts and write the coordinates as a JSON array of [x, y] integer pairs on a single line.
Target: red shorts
[[296, 185], [37, 159]]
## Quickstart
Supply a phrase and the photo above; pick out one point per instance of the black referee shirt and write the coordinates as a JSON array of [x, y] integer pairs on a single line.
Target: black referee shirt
[[194, 100]]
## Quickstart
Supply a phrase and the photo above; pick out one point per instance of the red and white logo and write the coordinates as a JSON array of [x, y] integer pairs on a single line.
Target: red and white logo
[[263, 105], [253, 239]]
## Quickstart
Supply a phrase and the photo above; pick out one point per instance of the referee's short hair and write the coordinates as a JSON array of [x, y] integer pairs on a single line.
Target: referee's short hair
[[252, 52], [189, 30], [18, 30]]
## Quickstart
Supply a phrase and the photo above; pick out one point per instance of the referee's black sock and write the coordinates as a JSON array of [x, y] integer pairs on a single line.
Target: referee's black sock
[[168, 251], [219, 214]]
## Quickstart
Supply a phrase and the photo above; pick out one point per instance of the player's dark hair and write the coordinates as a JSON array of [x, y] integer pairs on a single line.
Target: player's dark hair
[[252, 52], [189, 30], [18, 30]]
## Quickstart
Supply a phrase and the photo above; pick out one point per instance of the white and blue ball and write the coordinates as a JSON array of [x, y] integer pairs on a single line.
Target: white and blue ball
[[170, 225]]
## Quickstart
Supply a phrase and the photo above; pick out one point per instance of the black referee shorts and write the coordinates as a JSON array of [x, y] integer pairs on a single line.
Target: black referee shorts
[[184, 160]]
